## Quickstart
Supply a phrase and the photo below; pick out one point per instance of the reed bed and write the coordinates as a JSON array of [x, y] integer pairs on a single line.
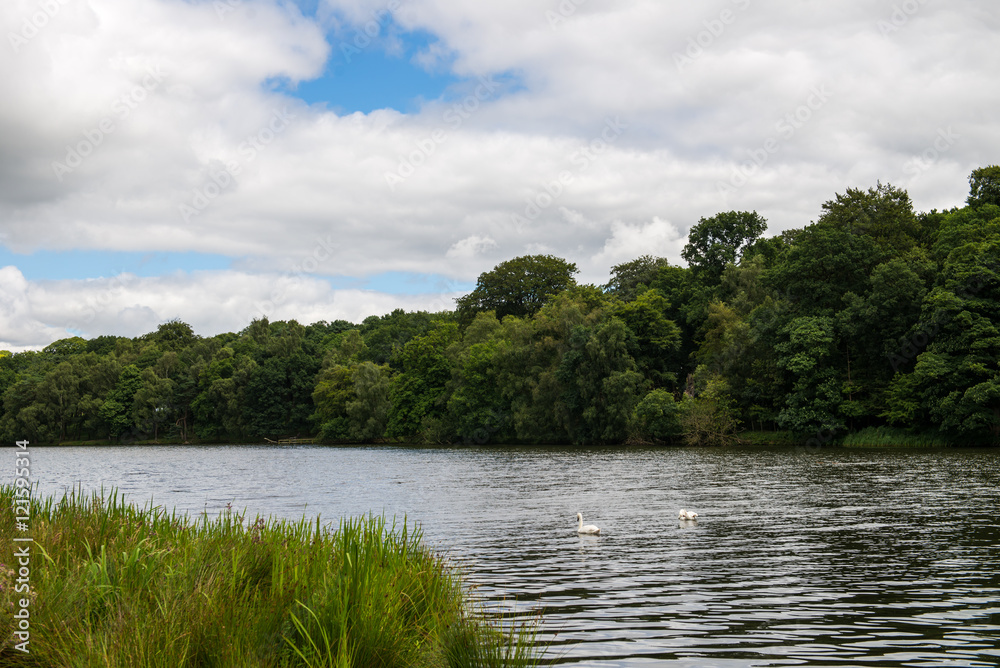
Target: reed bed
[[113, 584], [894, 437]]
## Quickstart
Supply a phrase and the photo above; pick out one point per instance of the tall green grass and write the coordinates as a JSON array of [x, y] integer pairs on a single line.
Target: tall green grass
[[769, 438], [893, 437], [118, 585]]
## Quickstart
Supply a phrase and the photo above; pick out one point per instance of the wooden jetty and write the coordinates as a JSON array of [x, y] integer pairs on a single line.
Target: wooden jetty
[[291, 441]]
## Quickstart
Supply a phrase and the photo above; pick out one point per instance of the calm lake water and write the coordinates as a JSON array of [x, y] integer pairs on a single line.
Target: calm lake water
[[836, 558]]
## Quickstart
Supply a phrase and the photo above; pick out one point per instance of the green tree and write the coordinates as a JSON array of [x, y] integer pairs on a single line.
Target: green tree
[[656, 417], [334, 390], [706, 414], [218, 408], [815, 396], [984, 186], [174, 335], [883, 213], [825, 264], [368, 410], [63, 348], [955, 383], [116, 411], [277, 398], [720, 240], [871, 326], [152, 405], [477, 409], [518, 287], [385, 336], [59, 391], [629, 279], [657, 338], [601, 384], [529, 360], [418, 391]]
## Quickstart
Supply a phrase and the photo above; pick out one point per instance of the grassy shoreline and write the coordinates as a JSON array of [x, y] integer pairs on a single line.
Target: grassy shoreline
[[868, 437], [113, 584]]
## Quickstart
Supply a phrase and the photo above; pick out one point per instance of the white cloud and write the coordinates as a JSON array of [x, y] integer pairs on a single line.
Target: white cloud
[[35, 313], [316, 191], [470, 247], [657, 238]]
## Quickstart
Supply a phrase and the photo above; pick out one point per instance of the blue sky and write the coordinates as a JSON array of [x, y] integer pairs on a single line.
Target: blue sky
[[82, 264], [354, 80], [370, 78]]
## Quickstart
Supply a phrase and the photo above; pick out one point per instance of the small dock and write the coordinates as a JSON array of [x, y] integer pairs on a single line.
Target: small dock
[[291, 441]]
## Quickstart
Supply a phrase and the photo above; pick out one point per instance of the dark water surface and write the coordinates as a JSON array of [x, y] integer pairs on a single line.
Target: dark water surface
[[837, 558]]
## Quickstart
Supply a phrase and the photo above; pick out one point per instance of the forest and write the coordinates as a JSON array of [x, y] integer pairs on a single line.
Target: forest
[[873, 319]]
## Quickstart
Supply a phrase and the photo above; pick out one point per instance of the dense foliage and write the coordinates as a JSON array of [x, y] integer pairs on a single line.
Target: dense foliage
[[873, 317]]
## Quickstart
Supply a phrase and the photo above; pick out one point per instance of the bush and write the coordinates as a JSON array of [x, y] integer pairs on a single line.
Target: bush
[[656, 417]]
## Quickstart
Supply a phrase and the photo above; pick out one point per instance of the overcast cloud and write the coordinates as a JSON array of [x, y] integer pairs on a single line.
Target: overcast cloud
[[590, 129]]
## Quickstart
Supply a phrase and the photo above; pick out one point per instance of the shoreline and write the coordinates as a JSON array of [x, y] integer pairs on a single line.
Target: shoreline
[[109, 580], [870, 437]]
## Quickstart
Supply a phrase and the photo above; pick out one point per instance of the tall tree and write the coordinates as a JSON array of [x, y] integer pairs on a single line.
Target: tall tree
[[418, 391], [883, 213], [601, 384], [628, 279], [657, 339], [984, 186], [368, 412], [152, 405], [720, 240], [116, 411], [518, 287]]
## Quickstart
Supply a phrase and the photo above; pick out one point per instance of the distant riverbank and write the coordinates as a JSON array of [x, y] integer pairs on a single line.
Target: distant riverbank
[[871, 437]]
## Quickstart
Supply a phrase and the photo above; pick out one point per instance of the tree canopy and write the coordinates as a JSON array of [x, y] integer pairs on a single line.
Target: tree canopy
[[720, 240], [518, 287], [873, 317]]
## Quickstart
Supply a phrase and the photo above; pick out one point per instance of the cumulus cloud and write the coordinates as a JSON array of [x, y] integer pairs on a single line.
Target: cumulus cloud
[[470, 247], [657, 238], [212, 302], [580, 129]]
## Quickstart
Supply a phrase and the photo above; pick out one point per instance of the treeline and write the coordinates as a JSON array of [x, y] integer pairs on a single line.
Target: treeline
[[872, 317]]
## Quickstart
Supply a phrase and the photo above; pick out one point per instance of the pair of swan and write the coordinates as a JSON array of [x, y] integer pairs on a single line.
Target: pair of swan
[[591, 529]]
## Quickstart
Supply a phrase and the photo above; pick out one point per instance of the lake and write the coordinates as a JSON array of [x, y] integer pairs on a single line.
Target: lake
[[841, 557]]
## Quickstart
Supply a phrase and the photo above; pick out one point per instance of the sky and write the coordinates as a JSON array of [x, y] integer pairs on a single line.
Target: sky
[[217, 161]]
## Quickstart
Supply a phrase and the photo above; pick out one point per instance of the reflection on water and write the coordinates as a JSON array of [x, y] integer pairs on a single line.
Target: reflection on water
[[839, 558]]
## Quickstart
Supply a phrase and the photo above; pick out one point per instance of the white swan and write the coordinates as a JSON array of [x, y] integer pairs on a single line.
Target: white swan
[[687, 515], [590, 528]]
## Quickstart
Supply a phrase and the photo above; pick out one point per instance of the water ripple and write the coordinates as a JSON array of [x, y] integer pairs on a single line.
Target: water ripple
[[841, 558]]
